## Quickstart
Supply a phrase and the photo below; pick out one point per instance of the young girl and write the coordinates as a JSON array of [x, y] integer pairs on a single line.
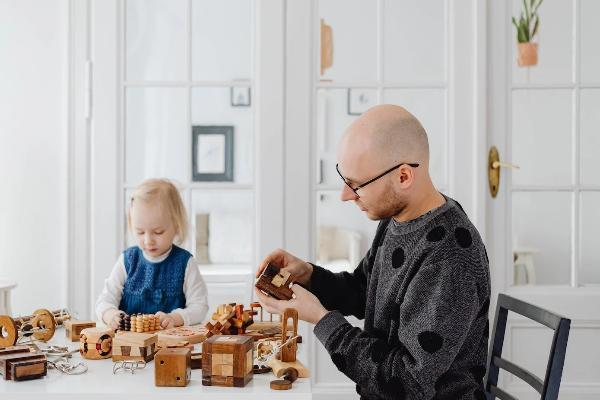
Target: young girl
[[155, 276]]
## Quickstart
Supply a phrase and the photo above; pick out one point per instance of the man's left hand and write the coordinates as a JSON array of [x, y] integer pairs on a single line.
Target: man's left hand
[[308, 306]]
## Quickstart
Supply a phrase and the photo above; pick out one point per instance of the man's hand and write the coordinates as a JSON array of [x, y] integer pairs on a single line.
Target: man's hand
[[301, 271], [308, 306], [169, 320]]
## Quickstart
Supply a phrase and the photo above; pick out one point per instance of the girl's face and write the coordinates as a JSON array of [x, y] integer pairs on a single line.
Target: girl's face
[[153, 231]]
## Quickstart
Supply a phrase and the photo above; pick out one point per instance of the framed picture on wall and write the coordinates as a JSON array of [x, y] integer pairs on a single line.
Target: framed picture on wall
[[212, 153]]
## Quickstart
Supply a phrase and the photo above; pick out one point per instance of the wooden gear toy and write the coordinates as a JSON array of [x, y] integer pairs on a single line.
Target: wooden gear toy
[[41, 325]]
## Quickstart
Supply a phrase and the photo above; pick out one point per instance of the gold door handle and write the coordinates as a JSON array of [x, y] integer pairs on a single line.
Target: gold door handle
[[494, 165], [498, 164]]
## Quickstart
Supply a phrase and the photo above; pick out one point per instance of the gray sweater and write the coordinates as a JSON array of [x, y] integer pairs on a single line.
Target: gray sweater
[[423, 290]]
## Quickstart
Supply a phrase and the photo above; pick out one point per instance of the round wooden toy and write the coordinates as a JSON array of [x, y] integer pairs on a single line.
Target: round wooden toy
[[280, 384], [43, 319], [290, 374]]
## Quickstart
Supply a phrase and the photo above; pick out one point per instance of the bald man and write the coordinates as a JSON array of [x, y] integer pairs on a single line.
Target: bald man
[[423, 287]]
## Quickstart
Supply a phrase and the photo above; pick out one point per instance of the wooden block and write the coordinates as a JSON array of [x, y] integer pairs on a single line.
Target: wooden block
[[227, 360], [73, 328], [172, 367], [96, 343], [196, 360], [279, 368], [28, 370], [275, 282], [191, 334], [134, 346], [7, 361], [14, 349]]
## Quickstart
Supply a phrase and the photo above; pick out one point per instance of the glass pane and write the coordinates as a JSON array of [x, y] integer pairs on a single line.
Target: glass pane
[[213, 107], [541, 224], [223, 226], [332, 120], [590, 56], [127, 235], [156, 134], [590, 237], [222, 40], [542, 138], [414, 41], [555, 44], [354, 34], [590, 136], [344, 233], [156, 40], [429, 106]]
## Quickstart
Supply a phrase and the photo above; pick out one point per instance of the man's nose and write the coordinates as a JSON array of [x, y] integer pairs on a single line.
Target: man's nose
[[347, 194]]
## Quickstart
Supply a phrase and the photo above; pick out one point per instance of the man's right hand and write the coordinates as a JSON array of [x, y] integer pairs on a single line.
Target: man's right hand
[[301, 271]]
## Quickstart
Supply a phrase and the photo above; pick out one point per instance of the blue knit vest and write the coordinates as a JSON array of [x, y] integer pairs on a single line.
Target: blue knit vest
[[152, 287]]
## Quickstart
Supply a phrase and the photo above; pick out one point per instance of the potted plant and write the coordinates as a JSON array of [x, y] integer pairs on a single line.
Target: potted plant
[[527, 27]]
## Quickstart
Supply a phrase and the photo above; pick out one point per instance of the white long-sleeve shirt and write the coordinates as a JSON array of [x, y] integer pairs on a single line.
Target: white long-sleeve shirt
[[194, 289]]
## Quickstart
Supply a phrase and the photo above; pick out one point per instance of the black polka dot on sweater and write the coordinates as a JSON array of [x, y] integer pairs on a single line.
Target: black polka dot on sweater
[[478, 373], [484, 309], [398, 258], [436, 234], [430, 341], [379, 351], [358, 389], [339, 361], [393, 384], [479, 395], [463, 237]]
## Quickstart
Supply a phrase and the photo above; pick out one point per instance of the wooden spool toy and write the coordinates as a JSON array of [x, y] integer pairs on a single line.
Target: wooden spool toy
[[41, 326], [96, 343]]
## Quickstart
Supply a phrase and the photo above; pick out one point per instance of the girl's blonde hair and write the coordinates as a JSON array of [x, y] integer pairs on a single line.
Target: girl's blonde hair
[[163, 192]]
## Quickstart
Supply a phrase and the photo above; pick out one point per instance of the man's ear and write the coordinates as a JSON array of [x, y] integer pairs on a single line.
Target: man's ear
[[406, 176]]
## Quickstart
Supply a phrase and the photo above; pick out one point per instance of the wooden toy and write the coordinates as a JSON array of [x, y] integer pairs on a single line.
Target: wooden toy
[[275, 282], [41, 325], [175, 336], [289, 347], [19, 363], [227, 360], [133, 346], [96, 343], [139, 323], [172, 367], [73, 328], [289, 376]]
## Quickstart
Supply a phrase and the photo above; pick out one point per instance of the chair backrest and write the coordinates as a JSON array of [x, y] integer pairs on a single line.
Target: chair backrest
[[547, 388]]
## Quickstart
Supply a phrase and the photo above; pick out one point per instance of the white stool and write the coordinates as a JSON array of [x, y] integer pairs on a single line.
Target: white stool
[[524, 256], [5, 288]]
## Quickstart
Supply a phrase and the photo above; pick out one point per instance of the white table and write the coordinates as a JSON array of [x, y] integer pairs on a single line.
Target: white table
[[100, 383]]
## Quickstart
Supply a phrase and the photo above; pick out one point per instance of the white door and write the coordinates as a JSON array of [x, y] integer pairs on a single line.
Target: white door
[[421, 55], [546, 120]]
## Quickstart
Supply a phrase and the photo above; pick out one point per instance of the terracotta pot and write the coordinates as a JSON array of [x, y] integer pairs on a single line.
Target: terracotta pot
[[528, 54]]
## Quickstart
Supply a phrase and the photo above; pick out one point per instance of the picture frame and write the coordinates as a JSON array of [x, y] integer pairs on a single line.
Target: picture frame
[[212, 153], [360, 100], [240, 96]]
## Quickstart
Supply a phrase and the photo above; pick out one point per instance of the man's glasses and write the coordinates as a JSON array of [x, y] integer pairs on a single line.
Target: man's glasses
[[355, 189]]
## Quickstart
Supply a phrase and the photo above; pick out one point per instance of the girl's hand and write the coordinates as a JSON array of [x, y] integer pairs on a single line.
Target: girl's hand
[[111, 318], [170, 320]]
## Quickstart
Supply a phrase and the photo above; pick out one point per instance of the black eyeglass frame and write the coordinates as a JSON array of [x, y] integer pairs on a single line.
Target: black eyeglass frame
[[354, 189]]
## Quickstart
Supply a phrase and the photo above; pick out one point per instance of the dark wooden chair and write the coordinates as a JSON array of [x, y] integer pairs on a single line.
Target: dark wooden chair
[[549, 386]]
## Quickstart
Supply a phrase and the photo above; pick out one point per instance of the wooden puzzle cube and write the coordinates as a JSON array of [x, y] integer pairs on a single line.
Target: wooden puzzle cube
[[73, 328], [134, 346], [275, 282], [227, 360], [96, 343], [173, 367]]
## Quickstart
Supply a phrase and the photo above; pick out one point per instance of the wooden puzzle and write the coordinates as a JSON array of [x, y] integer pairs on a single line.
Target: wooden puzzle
[[275, 282], [288, 347], [139, 323], [19, 363], [133, 346], [227, 360], [96, 343], [73, 328], [172, 367], [230, 319], [182, 336], [40, 326]]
